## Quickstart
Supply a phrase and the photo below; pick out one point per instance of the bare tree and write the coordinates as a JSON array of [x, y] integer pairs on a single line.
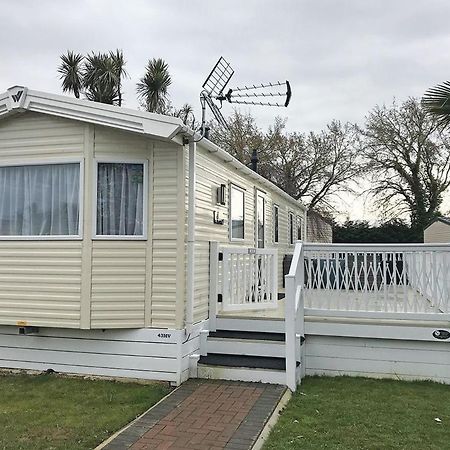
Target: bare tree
[[312, 167], [408, 155], [242, 136], [316, 167]]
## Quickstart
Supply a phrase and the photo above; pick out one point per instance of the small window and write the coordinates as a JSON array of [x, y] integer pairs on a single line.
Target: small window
[[299, 228], [237, 205], [40, 200], [291, 228], [120, 199], [276, 212]]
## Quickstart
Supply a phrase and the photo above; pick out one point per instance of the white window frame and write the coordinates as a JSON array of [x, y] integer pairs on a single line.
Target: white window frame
[[120, 237], [291, 241], [49, 162], [275, 207], [230, 230]]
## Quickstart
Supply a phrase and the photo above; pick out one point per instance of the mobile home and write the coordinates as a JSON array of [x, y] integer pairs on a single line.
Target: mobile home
[[107, 218], [437, 231]]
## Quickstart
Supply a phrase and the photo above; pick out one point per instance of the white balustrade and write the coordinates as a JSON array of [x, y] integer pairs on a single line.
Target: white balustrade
[[377, 278]]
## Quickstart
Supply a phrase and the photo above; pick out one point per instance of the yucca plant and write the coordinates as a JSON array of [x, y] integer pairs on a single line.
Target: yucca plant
[[100, 79], [119, 67], [71, 70], [436, 102], [152, 88], [98, 75]]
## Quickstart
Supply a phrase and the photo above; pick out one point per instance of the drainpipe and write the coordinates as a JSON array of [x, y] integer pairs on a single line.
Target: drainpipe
[[191, 237]]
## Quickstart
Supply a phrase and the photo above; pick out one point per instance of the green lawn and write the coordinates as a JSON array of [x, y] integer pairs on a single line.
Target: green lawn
[[357, 413], [56, 412]]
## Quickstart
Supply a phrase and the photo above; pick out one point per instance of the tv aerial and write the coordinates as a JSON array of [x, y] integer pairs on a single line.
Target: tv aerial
[[214, 93]]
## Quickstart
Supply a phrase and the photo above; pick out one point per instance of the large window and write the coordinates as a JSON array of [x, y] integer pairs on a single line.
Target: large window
[[276, 219], [237, 213], [40, 200], [120, 199]]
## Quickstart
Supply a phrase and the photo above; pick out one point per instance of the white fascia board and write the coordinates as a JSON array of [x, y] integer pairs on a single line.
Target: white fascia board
[[149, 124], [227, 158]]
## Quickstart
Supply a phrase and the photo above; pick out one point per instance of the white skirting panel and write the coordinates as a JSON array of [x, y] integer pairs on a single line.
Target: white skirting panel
[[152, 354], [375, 357]]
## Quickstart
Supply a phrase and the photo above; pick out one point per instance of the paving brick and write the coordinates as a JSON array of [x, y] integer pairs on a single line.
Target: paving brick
[[204, 415]]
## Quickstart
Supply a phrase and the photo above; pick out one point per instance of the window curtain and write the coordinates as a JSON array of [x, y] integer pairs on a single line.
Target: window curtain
[[120, 199], [40, 200]]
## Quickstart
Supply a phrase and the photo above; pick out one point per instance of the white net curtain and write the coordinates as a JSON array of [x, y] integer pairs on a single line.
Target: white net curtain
[[120, 199], [40, 200]]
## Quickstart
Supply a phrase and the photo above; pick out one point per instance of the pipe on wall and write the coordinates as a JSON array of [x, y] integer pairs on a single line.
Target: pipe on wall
[[190, 282]]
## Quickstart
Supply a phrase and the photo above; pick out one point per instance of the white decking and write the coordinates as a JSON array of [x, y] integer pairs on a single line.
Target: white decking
[[377, 310]]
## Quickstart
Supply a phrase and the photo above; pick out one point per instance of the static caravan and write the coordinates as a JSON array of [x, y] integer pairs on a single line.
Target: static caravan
[[120, 231], [438, 231]]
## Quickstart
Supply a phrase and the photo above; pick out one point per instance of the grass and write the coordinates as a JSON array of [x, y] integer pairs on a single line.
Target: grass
[[55, 412], [357, 413]]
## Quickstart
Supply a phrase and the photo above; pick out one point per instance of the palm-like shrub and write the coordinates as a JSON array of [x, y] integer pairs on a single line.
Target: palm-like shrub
[[71, 72], [436, 102], [152, 88], [98, 75]]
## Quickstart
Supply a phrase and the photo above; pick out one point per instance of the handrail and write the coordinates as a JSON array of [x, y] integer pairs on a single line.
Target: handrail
[[375, 247], [295, 259], [293, 311]]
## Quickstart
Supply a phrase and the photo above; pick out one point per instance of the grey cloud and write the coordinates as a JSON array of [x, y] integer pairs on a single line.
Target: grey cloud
[[342, 57]]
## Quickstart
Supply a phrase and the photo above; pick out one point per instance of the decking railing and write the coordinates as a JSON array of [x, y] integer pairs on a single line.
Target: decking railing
[[365, 281], [386, 279]]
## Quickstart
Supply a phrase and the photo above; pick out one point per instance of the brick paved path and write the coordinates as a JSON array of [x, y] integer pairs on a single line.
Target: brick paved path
[[201, 415]]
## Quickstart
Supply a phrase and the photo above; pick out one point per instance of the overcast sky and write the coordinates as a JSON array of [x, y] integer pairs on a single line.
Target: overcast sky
[[341, 57]]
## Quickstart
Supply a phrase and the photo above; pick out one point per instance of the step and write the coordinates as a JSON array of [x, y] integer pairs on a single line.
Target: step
[[255, 375], [247, 335], [251, 362], [246, 343], [253, 324]]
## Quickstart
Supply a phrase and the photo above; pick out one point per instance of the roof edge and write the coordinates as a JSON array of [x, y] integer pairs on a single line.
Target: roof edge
[[442, 219], [19, 99]]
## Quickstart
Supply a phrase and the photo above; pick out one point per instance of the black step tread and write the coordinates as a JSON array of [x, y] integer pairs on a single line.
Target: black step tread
[[253, 362], [253, 335]]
